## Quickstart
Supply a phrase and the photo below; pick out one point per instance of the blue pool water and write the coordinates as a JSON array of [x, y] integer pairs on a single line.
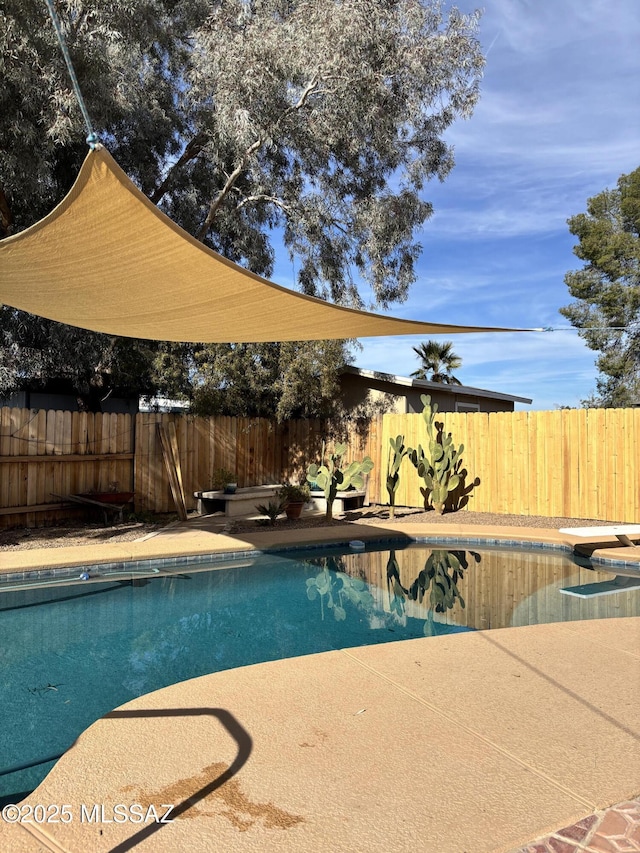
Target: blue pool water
[[71, 653]]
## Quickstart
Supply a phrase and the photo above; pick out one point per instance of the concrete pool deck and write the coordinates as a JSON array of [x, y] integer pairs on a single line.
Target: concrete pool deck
[[201, 535], [466, 743]]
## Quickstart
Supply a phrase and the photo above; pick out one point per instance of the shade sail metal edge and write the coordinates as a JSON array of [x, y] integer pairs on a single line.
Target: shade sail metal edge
[[107, 259]]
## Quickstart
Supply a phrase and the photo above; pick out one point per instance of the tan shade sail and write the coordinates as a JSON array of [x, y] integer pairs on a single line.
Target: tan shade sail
[[107, 259]]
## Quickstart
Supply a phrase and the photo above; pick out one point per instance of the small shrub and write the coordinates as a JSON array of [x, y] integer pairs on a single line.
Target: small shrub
[[221, 477], [272, 510], [290, 493]]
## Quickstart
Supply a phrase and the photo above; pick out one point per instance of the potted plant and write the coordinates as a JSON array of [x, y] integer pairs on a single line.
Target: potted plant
[[294, 498], [223, 479]]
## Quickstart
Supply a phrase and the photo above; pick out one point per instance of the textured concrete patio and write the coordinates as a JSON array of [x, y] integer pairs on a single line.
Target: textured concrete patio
[[467, 743], [201, 535]]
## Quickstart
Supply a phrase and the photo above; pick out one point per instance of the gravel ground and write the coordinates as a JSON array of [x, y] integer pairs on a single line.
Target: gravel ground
[[406, 515], [91, 533], [24, 538]]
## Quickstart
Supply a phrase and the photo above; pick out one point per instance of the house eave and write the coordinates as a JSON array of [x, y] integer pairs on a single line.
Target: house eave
[[426, 385]]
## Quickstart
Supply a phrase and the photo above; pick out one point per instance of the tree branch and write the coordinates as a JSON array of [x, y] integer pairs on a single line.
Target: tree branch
[[6, 217], [233, 177], [253, 198], [311, 86], [192, 150]]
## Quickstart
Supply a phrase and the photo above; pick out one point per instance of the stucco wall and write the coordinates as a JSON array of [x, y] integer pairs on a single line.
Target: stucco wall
[[357, 390]]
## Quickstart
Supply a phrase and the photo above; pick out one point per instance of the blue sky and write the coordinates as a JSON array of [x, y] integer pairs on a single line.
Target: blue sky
[[558, 121]]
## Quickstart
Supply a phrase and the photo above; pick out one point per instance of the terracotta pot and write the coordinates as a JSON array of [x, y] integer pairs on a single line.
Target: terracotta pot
[[294, 509]]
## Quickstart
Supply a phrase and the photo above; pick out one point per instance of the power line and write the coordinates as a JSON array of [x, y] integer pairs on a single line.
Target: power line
[[582, 328]]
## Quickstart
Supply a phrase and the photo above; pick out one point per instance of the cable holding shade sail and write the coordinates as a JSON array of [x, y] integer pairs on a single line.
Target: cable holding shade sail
[[107, 259]]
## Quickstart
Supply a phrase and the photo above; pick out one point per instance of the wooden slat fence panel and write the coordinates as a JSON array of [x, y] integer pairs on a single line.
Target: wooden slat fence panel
[[43, 452], [255, 450], [576, 463], [629, 445], [582, 463]]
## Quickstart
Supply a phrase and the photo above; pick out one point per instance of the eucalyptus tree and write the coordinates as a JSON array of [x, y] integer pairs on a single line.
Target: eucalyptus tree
[[288, 380], [129, 58], [606, 310], [438, 361], [311, 124]]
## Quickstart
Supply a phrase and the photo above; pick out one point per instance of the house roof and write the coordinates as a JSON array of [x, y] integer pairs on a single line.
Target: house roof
[[425, 385]]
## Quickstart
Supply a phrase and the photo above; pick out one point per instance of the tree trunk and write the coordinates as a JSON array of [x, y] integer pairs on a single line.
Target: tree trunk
[[91, 401]]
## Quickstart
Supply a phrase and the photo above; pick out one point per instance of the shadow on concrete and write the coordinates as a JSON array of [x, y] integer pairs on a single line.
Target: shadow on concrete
[[586, 549], [490, 638], [284, 533], [234, 729]]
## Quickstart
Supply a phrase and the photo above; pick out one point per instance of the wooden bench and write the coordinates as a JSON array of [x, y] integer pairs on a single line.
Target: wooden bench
[[622, 532], [241, 502]]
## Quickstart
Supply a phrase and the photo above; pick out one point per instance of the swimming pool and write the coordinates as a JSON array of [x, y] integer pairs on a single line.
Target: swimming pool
[[69, 653]]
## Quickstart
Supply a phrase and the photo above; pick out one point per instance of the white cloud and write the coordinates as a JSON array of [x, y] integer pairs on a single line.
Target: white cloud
[[557, 119], [530, 27]]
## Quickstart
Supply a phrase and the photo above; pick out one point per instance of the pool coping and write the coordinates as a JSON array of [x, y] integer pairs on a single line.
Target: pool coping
[[184, 545]]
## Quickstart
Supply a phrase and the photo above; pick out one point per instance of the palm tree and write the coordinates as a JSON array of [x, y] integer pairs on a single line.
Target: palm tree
[[438, 360]]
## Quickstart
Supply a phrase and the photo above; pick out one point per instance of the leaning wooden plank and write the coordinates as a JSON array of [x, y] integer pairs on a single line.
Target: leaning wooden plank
[[172, 445], [167, 456], [173, 442], [168, 464]]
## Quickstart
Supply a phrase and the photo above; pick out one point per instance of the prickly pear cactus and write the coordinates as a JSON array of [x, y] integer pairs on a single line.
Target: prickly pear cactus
[[437, 586], [331, 478], [334, 597], [439, 467], [440, 576], [397, 452]]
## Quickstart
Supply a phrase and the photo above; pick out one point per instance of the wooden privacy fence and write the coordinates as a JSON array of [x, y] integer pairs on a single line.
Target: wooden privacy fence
[[574, 463], [582, 463], [46, 453], [43, 453], [256, 450]]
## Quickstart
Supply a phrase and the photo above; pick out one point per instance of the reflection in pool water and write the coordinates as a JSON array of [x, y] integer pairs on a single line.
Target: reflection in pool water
[[437, 580], [71, 653], [439, 577]]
